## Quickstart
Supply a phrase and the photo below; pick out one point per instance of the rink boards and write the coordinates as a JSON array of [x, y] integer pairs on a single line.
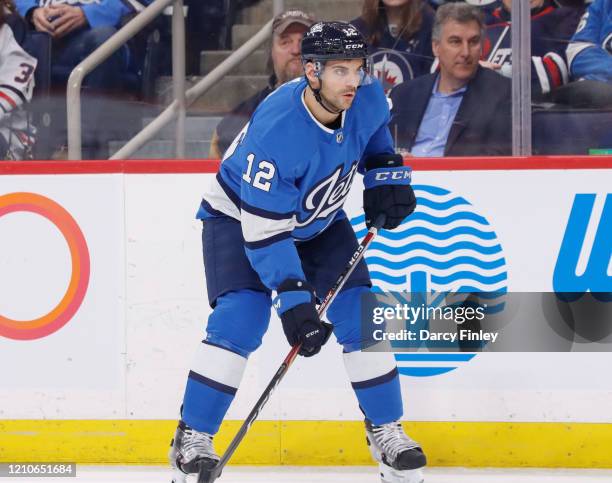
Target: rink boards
[[102, 303]]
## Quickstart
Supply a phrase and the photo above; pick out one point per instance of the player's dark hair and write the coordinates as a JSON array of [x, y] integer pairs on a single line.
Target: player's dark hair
[[374, 15]]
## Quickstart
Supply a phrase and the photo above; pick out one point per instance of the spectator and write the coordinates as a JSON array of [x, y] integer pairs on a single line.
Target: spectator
[[590, 52], [78, 28], [205, 25], [398, 33], [551, 29], [464, 109], [487, 8], [16, 85], [285, 64]]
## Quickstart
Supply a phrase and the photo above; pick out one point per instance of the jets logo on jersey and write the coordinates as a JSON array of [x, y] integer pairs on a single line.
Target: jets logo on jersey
[[328, 195], [501, 56], [391, 68]]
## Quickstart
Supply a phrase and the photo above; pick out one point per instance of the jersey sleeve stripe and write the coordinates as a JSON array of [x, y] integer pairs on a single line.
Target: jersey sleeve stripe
[[218, 200], [272, 215], [228, 191], [255, 228], [541, 73], [561, 65], [575, 48], [209, 209], [14, 91], [554, 71], [8, 99], [267, 241]]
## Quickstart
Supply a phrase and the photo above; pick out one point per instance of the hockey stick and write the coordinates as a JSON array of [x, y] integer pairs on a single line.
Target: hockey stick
[[209, 475]]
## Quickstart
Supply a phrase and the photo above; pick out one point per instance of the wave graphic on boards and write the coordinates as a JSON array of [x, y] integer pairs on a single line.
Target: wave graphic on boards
[[444, 246]]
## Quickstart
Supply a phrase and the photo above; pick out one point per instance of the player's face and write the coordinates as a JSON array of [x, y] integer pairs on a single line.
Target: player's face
[[458, 50], [341, 78], [286, 49]]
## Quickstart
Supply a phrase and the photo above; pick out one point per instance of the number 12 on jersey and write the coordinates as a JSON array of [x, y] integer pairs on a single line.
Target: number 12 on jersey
[[264, 174]]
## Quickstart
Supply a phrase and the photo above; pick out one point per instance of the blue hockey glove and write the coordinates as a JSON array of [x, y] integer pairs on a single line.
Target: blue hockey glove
[[387, 190], [295, 305]]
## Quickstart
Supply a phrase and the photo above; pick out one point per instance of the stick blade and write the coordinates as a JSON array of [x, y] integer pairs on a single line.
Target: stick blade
[[209, 475]]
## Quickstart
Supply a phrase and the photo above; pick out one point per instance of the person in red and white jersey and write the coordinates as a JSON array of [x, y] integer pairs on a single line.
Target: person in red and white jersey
[[552, 28], [16, 85]]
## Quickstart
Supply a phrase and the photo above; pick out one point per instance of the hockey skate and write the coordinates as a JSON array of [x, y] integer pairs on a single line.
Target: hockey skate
[[400, 458], [189, 451]]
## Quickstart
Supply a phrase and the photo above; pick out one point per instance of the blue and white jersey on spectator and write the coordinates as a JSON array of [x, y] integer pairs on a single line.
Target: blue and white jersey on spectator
[[590, 52], [99, 13], [286, 176]]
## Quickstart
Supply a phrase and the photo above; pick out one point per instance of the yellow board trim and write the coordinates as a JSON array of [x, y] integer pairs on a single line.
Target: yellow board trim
[[313, 443]]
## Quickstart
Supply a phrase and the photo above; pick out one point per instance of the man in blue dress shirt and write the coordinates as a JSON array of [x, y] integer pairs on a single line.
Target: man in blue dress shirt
[[461, 110]]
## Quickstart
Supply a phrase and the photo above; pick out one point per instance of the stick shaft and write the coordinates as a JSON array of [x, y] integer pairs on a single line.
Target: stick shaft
[[284, 367]]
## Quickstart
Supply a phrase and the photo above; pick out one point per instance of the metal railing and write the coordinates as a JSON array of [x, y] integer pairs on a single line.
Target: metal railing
[[182, 98], [521, 95], [75, 81], [195, 92]]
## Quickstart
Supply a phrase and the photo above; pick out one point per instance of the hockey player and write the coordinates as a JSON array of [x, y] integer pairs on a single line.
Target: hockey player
[[16, 85], [273, 222], [551, 29], [590, 52]]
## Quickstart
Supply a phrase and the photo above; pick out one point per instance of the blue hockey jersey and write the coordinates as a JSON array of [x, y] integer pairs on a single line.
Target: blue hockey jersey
[[286, 176], [590, 52]]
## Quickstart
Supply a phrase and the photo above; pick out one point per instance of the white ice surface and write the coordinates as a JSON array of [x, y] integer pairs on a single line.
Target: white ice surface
[[366, 474]]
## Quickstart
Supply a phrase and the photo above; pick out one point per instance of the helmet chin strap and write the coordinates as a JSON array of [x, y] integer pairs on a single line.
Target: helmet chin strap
[[319, 98]]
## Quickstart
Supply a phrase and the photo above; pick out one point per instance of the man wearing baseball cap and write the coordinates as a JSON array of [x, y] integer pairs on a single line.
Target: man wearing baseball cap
[[284, 64]]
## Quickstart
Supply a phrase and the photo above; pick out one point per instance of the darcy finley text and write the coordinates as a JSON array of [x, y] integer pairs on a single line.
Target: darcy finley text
[[426, 335]]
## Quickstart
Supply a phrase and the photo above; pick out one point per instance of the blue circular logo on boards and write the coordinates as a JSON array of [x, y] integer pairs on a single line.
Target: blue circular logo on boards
[[445, 246]]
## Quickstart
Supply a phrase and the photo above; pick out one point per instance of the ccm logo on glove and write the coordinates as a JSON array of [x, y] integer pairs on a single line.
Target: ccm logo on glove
[[404, 174], [387, 190], [295, 305]]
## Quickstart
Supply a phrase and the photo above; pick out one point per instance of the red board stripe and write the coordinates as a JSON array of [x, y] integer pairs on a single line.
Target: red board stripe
[[186, 166]]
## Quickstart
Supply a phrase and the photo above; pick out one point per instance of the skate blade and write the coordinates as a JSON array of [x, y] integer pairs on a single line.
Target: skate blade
[[179, 477], [391, 475]]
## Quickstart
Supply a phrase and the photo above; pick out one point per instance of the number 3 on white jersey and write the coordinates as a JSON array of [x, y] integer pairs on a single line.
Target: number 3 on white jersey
[[265, 173]]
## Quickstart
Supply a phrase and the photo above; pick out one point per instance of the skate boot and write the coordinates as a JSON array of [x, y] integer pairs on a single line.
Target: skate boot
[[189, 451], [400, 458]]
